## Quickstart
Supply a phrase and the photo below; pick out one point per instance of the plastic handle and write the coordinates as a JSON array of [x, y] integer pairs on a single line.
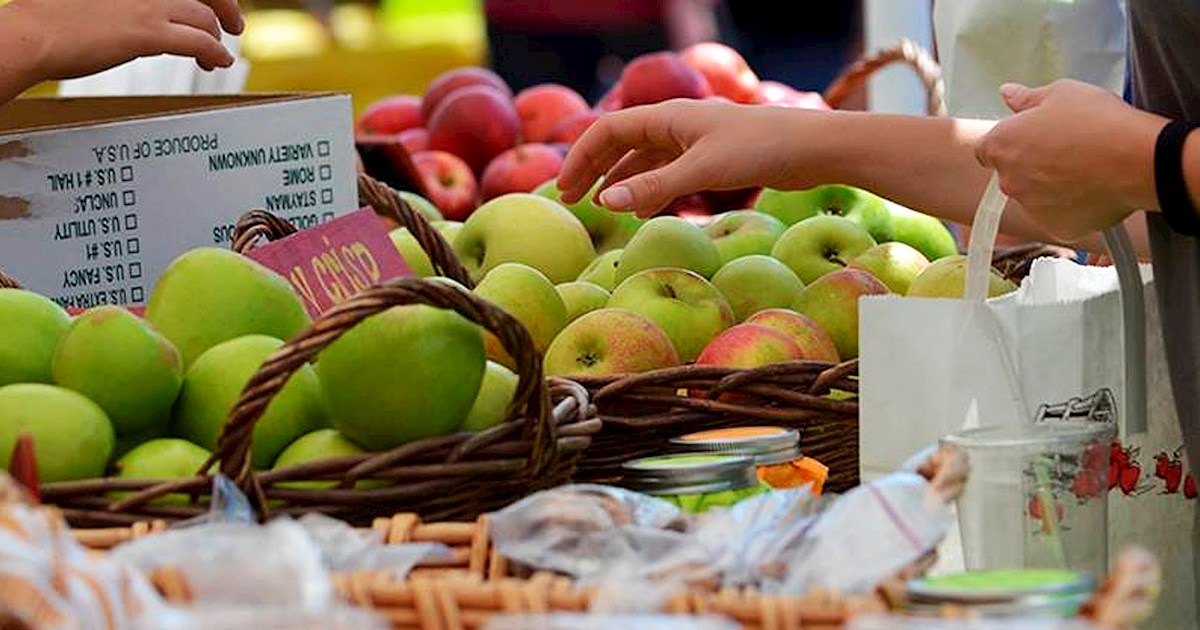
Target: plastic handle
[[984, 230]]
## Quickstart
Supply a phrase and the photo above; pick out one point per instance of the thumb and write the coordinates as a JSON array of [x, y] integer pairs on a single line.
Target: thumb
[[1020, 98], [649, 192]]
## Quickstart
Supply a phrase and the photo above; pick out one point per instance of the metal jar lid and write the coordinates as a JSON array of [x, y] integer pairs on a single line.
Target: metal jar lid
[[767, 445], [1001, 587], [686, 473]]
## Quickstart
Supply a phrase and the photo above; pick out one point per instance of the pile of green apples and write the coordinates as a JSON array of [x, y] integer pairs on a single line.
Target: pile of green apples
[[111, 392], [608, 293]]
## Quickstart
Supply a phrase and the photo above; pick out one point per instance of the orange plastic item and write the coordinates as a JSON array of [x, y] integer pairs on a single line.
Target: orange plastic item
[[775, 449]]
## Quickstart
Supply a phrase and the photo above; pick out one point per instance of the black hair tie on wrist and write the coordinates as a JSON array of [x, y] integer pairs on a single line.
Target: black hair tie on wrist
[[1169, 183]]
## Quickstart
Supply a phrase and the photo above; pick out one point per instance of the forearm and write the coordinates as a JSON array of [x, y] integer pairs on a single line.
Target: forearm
[[18, 53], [925, 163]]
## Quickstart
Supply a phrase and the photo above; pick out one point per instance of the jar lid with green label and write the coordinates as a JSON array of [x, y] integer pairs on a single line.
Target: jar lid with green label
[[694, 482], [1005, 592]]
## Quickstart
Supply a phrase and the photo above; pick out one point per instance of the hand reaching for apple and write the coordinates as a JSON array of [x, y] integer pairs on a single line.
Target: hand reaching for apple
[[652, 154], [59, 39]]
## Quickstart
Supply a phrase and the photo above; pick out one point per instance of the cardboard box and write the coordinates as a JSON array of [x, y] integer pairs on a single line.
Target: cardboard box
[[99, 195]]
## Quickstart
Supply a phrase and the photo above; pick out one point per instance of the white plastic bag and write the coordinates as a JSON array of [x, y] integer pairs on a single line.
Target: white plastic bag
[[982, 44]]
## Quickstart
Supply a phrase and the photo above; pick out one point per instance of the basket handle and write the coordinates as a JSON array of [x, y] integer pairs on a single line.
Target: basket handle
[[259, 224], [532, 398], [8, 282], [387, 202], [907, 51]]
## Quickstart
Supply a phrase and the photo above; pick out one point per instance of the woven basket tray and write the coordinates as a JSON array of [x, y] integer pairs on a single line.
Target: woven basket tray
[[449, 477]]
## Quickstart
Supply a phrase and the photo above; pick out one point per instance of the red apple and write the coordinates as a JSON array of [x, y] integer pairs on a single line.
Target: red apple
[[475, 123], [449, 183], [451, 80], [815, 344], [659, 76], [520, 169], [392, 114], [611, 101], [783, 95], [694, 207], [772, 92], [543, 106], [414, 139], [569, 130], [725, 69], [749, 346]]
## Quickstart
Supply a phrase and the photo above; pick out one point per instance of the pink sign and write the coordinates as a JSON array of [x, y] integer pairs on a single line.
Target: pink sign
[[330, 263]]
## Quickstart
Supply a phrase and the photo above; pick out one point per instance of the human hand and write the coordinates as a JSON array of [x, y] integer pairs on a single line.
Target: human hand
[[652, 154], [71, 38], [1076, 157]]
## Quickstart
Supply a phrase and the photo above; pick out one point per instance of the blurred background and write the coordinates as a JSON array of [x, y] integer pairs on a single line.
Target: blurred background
[[373, 49]]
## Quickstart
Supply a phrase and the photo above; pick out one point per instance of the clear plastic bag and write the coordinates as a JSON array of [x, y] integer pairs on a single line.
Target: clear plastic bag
[[273, 617], [894, 622], [576, 621]]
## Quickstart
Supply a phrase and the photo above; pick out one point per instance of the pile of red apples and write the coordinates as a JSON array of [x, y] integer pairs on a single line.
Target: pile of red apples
[[471, 138]]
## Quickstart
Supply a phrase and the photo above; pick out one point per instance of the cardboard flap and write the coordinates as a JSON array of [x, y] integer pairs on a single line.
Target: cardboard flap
[[26, 114]]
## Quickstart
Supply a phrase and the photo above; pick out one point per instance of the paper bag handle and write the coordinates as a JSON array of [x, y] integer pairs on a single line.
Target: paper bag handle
[[984, 230]]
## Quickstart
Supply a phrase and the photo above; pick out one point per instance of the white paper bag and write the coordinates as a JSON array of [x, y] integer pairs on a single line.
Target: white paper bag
[[928, 367], [984, 43]]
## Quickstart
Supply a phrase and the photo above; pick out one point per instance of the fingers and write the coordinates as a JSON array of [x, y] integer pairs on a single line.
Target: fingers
[[229, 14], [608, 140], [1020, 98], [648, 192], [636, 161], [180, 39], [195, 14]]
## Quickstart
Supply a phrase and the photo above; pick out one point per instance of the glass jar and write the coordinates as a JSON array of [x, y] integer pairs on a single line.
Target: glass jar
[[695, 483], [775, 451]]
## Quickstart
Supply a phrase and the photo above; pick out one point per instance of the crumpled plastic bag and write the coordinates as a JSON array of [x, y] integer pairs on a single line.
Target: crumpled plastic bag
[[577, 621], [584, 530], [234, 617], [895, 622]]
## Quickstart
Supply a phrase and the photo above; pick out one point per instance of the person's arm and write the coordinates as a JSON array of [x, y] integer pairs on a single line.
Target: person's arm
[[43, 40], [668, 150]]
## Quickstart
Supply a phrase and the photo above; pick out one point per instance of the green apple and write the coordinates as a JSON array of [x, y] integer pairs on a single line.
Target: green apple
[[610, 341], [33, 326], [528, 295], [815, 344], [740, 233], [422, 205], [861, 206], [214, 382], [752, 283], [164, 459], [894, 263], [926, 233], [408, 373], [602, 272], [946, 277], [448, 229], [609, 230], [524, 228], [686, 306], [316, 446], [72, 438], [495, 395], [832, 301], [208, 295], [412, 252], [122, 364], [129, 441], [669, 241], [819, 245], [581, 297]]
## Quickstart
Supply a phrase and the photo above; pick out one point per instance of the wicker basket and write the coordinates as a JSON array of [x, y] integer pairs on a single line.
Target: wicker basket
[[8, 282], [459, 476]]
